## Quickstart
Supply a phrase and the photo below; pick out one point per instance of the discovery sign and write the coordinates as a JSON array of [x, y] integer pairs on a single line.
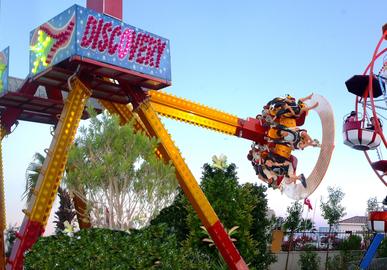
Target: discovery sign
[[83, 32]]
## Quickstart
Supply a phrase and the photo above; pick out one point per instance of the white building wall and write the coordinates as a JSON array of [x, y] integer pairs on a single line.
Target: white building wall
[[351, 227]]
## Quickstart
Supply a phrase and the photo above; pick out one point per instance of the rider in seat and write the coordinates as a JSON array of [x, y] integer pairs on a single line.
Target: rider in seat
[[294, 137], [371, 125], [292, 109], [351, 117]]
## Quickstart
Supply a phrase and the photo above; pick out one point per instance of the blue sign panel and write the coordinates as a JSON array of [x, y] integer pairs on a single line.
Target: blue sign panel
[[86, 33], [4, 70]]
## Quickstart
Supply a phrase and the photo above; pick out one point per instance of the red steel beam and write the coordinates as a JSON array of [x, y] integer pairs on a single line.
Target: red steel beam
[[109, 7], [11, 114]]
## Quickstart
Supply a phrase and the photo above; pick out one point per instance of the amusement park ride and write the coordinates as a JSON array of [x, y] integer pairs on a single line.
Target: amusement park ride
[[363, 130], [89, 54]]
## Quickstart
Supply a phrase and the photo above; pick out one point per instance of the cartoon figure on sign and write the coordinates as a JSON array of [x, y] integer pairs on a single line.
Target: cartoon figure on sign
[[47, 42], [3, 67]]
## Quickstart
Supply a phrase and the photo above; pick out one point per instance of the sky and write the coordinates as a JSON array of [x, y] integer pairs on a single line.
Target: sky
[[234, 56]]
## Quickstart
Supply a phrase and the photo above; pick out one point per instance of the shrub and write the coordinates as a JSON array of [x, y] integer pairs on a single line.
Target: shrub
[[334, 262], [106, 249], [309, 260], [353, 242], [304, 243], [153, 247], [382, 250]]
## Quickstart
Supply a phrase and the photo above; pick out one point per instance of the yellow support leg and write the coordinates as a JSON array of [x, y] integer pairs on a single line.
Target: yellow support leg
[[2, 205], [55, 162], [51, 173]]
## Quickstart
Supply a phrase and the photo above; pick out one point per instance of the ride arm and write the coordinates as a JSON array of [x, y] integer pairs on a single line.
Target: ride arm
[[194, 113]]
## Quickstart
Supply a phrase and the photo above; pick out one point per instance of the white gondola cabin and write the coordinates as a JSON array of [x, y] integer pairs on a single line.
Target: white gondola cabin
[[359, 138]]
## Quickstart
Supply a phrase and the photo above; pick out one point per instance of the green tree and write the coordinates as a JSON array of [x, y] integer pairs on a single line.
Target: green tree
[[372, 205], [262, 224], [235, 205], [292, 224], [232, 202], [32, 175], [307, 225], [175, 217], [332, 212], [124, 182]]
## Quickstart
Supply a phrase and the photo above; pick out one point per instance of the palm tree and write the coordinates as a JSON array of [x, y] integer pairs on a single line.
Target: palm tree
[[32, 175], [65, 211], [307, 225]]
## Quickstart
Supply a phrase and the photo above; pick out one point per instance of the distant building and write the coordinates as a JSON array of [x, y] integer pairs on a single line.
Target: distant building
[[353, 224]]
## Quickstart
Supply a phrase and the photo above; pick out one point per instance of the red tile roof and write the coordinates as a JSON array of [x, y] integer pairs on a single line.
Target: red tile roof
[[355, 220]]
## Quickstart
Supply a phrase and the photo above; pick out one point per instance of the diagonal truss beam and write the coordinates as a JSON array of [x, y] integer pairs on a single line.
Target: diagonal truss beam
[[51, 173]]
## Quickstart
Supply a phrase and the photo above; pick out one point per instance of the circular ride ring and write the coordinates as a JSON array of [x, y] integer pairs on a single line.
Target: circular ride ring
[[374, 103], [325, 112]]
